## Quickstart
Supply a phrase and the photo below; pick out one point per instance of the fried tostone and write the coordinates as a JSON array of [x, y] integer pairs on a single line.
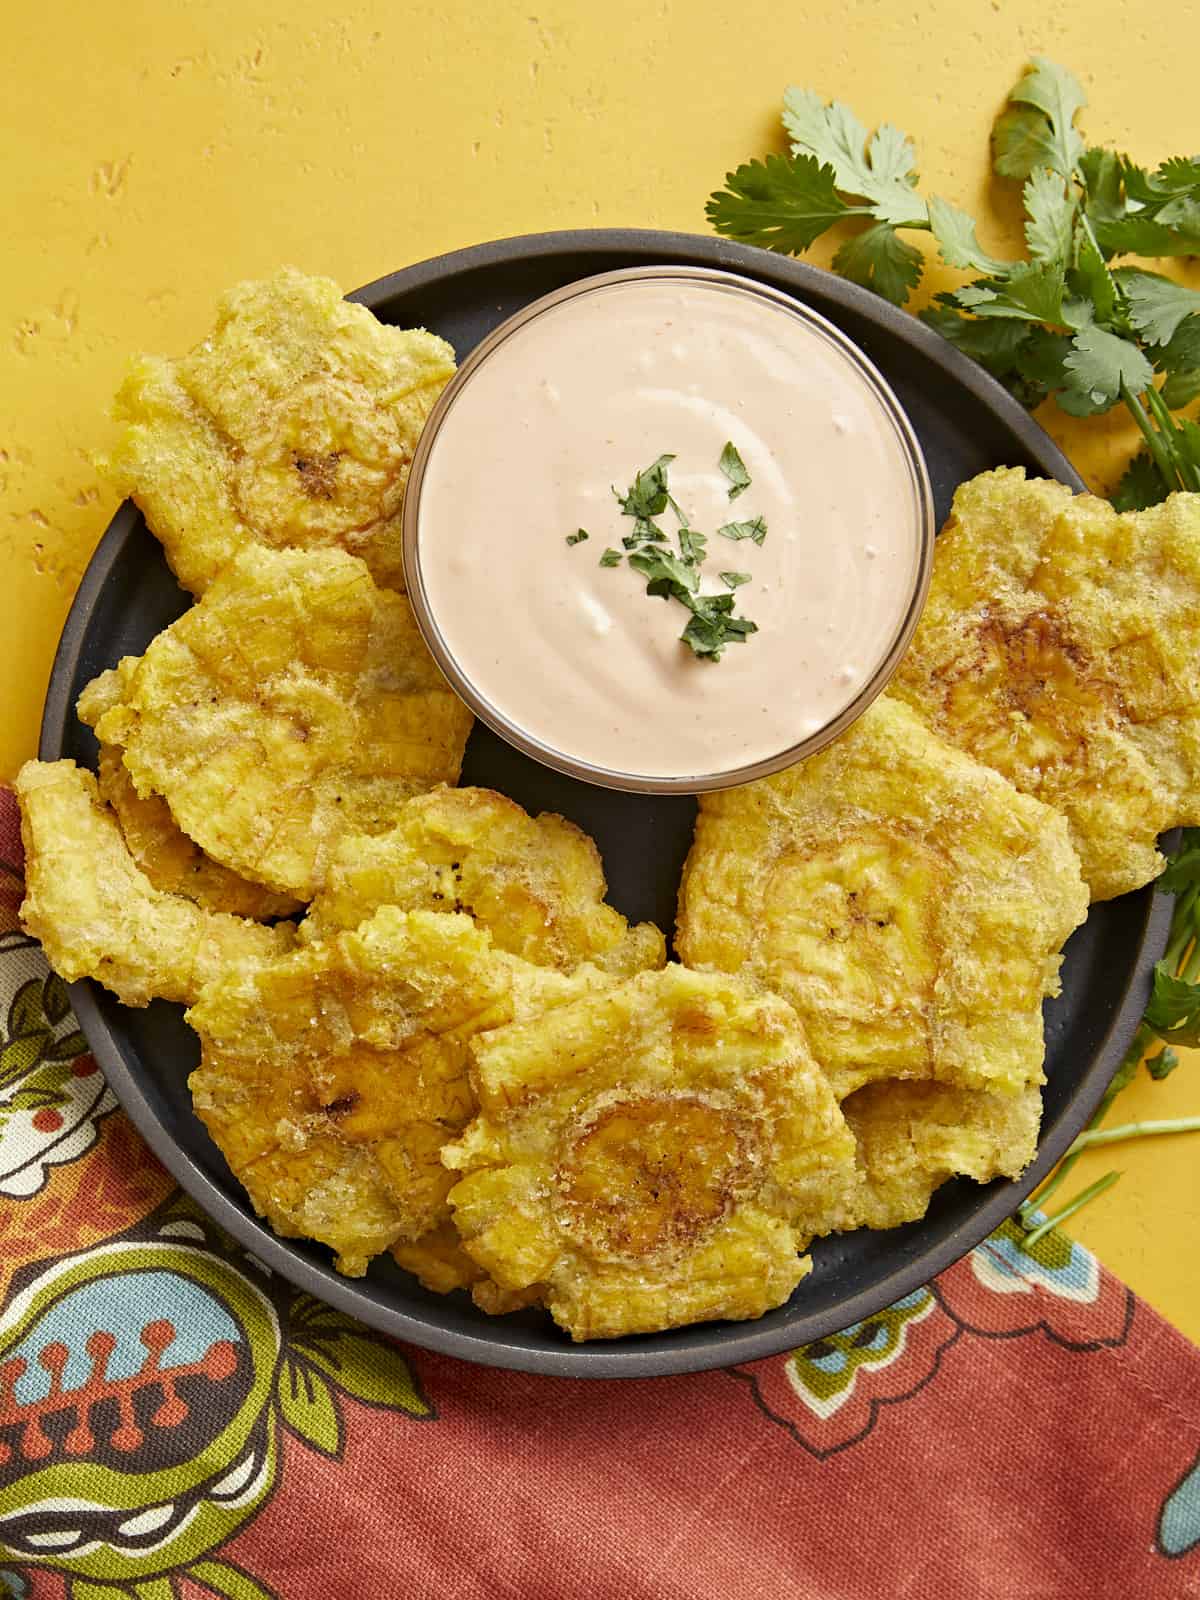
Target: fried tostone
[[536, 883], [172, 861], [295, 703], [331, 1079], [1061, 645], [98, 916], [293, 423], [642, 1156], [912, 1137], [909, 902]]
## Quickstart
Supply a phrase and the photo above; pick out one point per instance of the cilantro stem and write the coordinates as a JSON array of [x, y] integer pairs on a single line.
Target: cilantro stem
[[1182, 928], [1136, 1130], [1140, 1043], [1167, 427], [1154, 440], [1056, 1179], [1085, 1197]]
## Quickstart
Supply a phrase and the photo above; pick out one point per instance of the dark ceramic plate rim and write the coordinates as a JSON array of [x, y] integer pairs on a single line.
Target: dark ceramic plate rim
[[736, 1342]]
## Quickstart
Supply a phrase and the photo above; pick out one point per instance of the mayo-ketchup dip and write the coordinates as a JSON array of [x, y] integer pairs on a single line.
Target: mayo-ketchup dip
[[530, 540]]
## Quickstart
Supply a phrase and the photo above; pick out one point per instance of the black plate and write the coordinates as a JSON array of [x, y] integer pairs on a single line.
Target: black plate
[[966, 423]]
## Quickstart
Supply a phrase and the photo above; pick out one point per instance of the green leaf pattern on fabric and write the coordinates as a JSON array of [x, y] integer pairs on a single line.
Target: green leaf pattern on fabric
[[308, 1406]]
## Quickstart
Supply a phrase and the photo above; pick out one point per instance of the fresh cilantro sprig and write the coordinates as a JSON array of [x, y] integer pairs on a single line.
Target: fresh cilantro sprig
[[713, 623], [1172, 1018], [1061, 320]]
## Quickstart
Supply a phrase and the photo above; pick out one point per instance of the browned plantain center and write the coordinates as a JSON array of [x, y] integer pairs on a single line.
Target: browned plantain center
[[318, 473], [651, 1174]]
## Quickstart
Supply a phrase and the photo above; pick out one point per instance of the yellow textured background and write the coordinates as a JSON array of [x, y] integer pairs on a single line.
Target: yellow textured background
[[155, 152]]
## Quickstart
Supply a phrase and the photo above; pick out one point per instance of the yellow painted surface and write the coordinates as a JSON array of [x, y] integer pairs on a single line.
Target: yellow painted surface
[[154, 152]]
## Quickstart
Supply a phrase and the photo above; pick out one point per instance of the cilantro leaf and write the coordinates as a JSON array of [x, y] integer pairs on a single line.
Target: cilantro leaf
[[1031, 292], [1182, 870], [1156, 305], [1039, 129], [1178, 175], [578, 536], [1181, 388], [880, 259], [1100, 172], [879, 168], [955, 233], [783, 203], [692, 545], [755, 528], [648, 495], [611, 558], [1141, 484], [1090, 276], [1174, 1009], [1143, 236], [1049, 217], [1133, 212], [1101, 364], [713, 626], [734, 468], [733, 580], [645, 531], [1041, 359], [667, 571]]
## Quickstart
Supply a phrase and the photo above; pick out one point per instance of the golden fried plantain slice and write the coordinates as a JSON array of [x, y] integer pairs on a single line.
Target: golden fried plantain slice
[[331, 1078], [908, 901], [98, 916], [293, 423], [438, 1261], [1061, 645], [643, 1154], [536, 883], [172, 861], [295, 703], [911, 1137]]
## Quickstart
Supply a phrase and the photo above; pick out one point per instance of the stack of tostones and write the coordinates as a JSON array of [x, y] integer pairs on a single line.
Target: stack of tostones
[[295, 703], [463, 1055], [1061, 645], [643, 1157], [293, 423]]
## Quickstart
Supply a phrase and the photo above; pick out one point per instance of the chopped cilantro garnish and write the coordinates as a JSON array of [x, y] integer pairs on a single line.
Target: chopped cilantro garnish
[[755, 528], [578, 536], [734, 468], [648, 495], [692, 545], [665, 572], [677, 577]]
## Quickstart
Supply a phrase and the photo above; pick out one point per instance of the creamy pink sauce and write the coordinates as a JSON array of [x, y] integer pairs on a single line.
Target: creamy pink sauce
[[575, 402]]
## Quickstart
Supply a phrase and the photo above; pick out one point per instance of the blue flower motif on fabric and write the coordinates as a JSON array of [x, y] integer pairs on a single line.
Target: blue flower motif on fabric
[[1179, 1523], [1056, 1264]]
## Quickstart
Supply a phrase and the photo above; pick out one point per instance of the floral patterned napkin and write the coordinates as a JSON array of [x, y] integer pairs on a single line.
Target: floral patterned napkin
[[177, 1422]]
